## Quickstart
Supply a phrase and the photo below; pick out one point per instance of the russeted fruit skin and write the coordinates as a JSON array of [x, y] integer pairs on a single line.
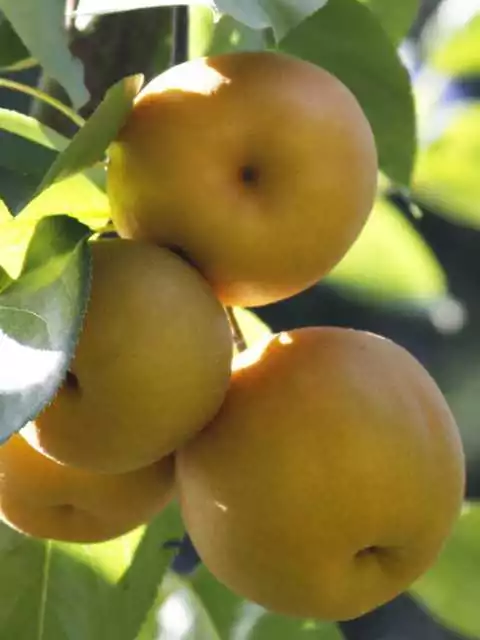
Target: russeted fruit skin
[[330, 478], [151, 367], [44, 499], [261, 167]]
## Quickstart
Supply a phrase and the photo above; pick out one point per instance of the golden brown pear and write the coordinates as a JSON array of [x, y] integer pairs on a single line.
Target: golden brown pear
[[329, 480], [261, 167], [151, 367], [44, 499]]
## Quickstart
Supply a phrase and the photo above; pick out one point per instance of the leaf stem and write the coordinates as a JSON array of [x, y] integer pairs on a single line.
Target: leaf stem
[[44, 97]]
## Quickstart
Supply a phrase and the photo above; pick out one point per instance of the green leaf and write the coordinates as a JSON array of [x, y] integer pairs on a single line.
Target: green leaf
[[81, 196], [40, 318], [5, 279], [15, 188], [395, 17], [41, 26], [256, 623], [390, 262], [62, 591], [219, 613], [210, 610], [252, 328], [137, 591], [219, 607], [12, 49], [39, 95], [26, 153], [460, 54], [450, 587], [78, 196], [23, 157], [150, 629], [280, 15], [446, 171], [16, 233], [210, 37], [88, 146], [52, 590], [22, 166], [5, 215], [42, 589], [347, 40], [31, 129]]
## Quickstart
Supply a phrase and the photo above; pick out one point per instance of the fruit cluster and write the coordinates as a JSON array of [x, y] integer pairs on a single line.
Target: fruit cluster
[[318, 472]]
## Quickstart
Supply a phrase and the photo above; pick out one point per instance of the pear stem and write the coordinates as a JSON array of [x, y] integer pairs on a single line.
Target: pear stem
[[237, 332]]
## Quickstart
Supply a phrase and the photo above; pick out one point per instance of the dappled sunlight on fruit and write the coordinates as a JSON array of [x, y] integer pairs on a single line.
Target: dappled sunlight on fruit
[[198, 77], [260, 206], [244, 359], [285, 338]]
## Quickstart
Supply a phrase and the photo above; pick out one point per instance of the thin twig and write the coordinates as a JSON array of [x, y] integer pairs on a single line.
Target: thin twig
[[237, 332]]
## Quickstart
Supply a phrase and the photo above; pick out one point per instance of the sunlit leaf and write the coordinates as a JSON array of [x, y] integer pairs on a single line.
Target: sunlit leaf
[[395, 17], [44, 589], [42, 96], [137, 590], [61, 591], [217, 608], [447, 169], [30, 148], [460, 54], [255, 623], [451, 587], [89, 145], [40, 318], [252, 327], [31, 129], [390, 261], [77, 196], [5, 215]]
